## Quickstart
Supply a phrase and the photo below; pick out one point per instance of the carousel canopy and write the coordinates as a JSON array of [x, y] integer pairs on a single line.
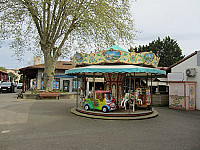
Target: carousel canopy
[[114, 69], [115, 47]]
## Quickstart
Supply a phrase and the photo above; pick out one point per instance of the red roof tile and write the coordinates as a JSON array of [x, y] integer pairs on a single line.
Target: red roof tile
[[59, 65], [1, 71]]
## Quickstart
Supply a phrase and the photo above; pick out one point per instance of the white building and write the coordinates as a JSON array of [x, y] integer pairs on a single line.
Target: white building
[[190, 67]]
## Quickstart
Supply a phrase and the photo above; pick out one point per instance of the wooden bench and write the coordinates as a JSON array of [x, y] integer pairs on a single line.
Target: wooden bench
[[49, 94]]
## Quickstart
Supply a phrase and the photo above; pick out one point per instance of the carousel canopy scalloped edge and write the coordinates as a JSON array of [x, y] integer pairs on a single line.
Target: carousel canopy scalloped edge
[[131, 69], [116, 56]]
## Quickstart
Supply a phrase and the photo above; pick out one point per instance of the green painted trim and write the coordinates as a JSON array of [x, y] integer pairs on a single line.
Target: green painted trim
[[115, 70], [117, 48]]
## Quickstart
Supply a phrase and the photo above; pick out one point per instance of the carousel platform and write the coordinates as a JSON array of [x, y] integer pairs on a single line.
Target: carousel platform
[[120, 114]]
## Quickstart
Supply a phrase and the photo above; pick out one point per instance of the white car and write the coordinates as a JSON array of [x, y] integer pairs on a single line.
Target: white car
[[19, 85]]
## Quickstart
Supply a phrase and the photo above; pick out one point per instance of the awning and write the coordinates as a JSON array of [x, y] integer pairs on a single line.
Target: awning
[[114, 69]]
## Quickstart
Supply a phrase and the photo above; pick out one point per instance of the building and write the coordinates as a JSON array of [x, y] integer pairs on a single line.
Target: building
[[33, 77], [3, 76], [16, 73], [189, 67]]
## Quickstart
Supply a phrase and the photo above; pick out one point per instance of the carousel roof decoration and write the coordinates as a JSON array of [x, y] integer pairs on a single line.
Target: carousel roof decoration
[[115, 60], [116, 55]]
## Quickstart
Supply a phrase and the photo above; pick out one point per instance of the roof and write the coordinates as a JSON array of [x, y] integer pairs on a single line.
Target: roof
[[1, 71], [59, 65], [182, 60], [117, 48], [114, 69]]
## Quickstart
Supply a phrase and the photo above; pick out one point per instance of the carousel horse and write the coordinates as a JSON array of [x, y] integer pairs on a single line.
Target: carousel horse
[[133, 97], [82, 98], [139, 101], [125, 100]]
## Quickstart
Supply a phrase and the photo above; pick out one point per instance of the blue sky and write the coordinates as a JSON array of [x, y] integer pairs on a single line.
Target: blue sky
[[179, 19]]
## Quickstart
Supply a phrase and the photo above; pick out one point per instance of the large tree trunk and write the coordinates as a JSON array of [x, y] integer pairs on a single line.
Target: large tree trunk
[[49, 70]]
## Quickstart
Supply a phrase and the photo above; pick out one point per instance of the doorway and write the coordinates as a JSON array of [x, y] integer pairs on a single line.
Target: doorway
[[66, 85]]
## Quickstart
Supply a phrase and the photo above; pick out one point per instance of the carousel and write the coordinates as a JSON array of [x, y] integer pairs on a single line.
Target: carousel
[[126, 91]]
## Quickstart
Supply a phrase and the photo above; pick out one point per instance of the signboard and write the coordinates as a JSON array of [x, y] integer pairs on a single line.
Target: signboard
[[176, 76]]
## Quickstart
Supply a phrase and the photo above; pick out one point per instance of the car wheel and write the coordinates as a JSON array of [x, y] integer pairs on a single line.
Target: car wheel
[[86, 107], [105, 109]]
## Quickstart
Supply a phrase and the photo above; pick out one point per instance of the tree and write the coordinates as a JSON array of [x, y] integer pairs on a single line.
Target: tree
[[59, 27], [167, 49], [3, 69], [12, 76]]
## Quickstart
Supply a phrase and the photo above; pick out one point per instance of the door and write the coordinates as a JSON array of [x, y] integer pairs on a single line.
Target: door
[[66, 85]]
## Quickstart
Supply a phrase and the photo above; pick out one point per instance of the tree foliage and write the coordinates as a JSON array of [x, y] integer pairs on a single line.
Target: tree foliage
[[167, 49], [58, 27], [3, 69], [12, 76]]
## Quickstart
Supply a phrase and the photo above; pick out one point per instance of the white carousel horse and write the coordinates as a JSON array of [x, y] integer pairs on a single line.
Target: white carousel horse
[[125, 101]]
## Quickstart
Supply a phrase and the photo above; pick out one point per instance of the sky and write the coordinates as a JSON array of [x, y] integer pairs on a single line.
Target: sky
[[179, 19]]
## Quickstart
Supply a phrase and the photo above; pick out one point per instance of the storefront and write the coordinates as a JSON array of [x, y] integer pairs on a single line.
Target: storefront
[[33, 77]]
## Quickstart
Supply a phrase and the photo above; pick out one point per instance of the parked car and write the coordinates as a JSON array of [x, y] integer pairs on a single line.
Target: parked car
[[7, 87], [103, 101], [19, 85]]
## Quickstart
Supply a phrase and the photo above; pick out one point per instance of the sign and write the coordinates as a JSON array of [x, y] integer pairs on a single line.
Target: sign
[[176, 76]]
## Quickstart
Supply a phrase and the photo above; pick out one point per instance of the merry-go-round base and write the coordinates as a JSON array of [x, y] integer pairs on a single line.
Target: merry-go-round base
[[116, 115]]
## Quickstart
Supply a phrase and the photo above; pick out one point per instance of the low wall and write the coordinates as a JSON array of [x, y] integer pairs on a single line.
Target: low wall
[[62, 96], [68, 96], [30, 96], [160, 99]]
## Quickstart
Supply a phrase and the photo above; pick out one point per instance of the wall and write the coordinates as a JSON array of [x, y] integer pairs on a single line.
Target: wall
[[58, 72], [190, 63], [160, 99], [61, 72]]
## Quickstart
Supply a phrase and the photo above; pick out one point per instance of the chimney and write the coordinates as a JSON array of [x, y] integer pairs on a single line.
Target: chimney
[[36, 60]]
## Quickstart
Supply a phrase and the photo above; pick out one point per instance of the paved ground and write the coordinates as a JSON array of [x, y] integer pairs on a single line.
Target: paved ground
[[49, 125]]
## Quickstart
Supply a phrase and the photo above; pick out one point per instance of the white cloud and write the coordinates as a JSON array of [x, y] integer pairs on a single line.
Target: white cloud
[[9, 61], [179, 19]]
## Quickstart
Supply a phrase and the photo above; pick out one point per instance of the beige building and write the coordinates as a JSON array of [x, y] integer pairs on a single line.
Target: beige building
[[16, 73]]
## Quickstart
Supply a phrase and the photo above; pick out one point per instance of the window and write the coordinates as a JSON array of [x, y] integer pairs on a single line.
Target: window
[[74, 84]]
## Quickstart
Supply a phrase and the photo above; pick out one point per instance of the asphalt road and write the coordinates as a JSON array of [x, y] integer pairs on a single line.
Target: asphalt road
[[49, 125]]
